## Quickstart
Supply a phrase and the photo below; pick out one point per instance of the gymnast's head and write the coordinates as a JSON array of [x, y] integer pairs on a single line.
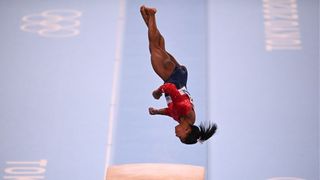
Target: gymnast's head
[[191, 134]]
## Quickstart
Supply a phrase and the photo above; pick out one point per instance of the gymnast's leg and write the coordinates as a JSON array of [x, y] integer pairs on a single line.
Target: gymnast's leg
[[161, 61], [145, 15]]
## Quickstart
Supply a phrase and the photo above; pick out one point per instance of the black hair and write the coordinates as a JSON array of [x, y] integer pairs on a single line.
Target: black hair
[[201, 133]]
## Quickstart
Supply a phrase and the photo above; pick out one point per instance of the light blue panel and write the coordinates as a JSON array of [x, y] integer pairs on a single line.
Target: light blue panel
[[55, 92], [139, 137], [266, 103]]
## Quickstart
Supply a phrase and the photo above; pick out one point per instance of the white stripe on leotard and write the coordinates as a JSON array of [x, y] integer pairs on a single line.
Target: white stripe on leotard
[[182, 91]]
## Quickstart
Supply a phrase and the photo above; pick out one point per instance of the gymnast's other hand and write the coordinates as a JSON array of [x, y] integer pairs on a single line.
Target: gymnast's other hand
[[152, 111], [156, 94]]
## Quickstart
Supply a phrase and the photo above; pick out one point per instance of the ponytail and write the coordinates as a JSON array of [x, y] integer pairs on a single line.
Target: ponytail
[[201, 133]]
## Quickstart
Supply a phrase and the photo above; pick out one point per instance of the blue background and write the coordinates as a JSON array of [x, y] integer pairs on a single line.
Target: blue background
[[55, 93]]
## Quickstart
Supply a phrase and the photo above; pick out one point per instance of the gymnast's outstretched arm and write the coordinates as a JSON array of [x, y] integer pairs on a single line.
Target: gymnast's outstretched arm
[[163, 111]]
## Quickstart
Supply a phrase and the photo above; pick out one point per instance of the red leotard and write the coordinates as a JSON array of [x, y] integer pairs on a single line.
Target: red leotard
[[178, 103]]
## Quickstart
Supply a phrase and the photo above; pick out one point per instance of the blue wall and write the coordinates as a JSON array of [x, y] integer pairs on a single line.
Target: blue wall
[[265, 102], [54, 92]]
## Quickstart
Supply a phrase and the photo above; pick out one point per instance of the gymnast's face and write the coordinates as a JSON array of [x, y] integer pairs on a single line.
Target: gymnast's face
[[182, 131]]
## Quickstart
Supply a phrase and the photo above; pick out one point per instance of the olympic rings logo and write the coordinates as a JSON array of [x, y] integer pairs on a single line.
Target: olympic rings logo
[[57, 23]]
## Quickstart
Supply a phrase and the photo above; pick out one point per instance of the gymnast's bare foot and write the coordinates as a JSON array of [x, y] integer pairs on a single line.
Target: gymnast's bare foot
[[144, 14], [150, 11]]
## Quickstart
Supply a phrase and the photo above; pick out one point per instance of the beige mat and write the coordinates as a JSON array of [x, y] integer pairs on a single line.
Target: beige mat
[[155, 172]]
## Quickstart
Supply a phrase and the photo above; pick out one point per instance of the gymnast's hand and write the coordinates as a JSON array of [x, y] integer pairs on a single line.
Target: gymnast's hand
[[156, 94], [152, 111]]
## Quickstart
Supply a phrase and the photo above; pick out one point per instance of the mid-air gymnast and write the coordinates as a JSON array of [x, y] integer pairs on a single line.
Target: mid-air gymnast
[[180, 105]]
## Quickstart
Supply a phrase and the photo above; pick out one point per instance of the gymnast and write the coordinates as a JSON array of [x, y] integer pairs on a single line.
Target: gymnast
[[180, 105]]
